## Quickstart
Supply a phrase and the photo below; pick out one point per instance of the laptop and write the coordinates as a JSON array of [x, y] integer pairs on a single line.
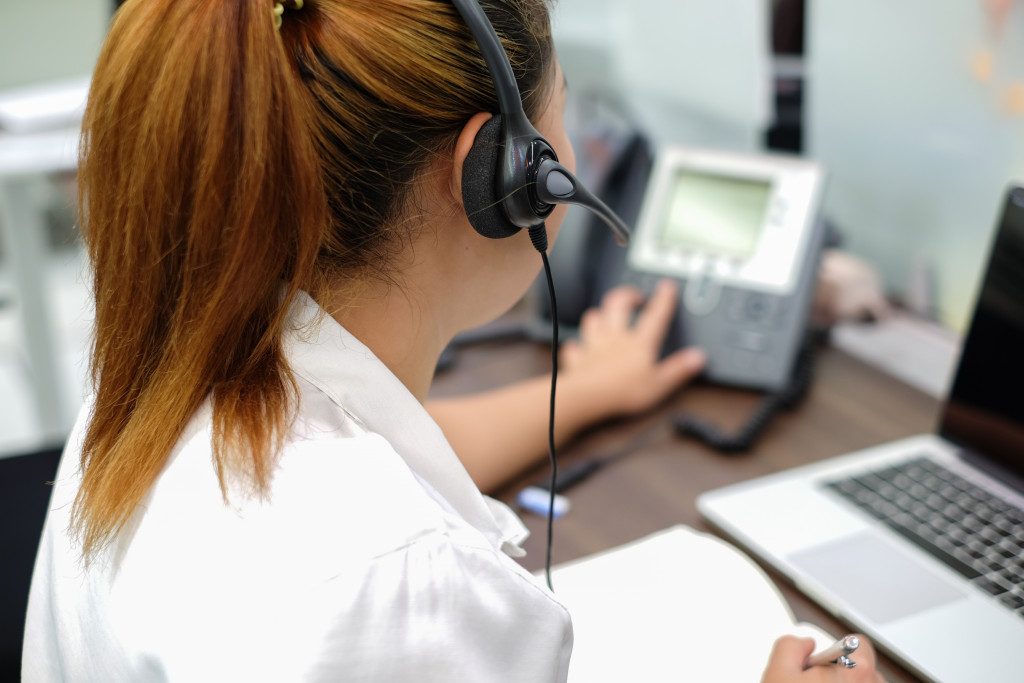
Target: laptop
[[919, 543]]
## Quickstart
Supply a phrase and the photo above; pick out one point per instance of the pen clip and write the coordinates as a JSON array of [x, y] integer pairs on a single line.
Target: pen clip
[[846, 661]]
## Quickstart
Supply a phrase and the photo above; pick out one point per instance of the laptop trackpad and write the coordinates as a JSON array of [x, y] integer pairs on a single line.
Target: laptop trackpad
[[875, 577]]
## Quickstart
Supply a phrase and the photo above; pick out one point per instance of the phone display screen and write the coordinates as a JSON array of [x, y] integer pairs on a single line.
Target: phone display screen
[[715, 214]]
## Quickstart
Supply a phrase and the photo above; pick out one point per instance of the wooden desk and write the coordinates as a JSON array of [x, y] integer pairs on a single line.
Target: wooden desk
[[849, 406]]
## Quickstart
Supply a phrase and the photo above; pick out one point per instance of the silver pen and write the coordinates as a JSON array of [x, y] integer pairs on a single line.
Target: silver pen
[[835, 654]]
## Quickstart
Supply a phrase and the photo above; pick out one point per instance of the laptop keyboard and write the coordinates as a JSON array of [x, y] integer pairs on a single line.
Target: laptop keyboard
[[977, 534]]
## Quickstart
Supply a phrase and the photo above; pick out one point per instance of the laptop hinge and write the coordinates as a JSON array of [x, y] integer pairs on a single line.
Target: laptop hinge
[[993, 469]]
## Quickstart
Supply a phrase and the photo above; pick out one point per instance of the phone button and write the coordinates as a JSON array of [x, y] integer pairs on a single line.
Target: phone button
[[754, 308], [749, 340], [701, 294], [759, 307]]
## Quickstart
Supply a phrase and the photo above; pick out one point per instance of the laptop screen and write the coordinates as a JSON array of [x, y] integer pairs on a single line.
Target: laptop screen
[[985, 409]]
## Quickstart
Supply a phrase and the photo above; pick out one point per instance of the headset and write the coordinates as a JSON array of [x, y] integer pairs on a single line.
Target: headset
[[511, 178]]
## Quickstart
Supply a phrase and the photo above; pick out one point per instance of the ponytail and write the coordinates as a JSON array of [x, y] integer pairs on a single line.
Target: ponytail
[[202, 210], [227, 163]]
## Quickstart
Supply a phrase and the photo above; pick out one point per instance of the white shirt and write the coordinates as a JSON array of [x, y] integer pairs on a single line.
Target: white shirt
[[375, 557]]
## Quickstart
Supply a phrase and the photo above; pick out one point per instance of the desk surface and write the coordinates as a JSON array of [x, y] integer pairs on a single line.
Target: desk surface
[[655, 485]]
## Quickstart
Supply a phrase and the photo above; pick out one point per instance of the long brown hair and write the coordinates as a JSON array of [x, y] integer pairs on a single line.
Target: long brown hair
[[225, 165]]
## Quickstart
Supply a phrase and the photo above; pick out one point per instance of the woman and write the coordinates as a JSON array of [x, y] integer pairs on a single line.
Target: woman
[[270, 201]]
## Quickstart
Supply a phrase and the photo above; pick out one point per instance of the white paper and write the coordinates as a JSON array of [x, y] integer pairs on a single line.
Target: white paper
[[676, 605]]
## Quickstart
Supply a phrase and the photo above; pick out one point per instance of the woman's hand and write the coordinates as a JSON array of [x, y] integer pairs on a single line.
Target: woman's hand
[[618, 359], [786, 664], [614, 369]]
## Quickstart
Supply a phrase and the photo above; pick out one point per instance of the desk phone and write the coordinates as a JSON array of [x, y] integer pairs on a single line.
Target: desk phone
[[741, 235]]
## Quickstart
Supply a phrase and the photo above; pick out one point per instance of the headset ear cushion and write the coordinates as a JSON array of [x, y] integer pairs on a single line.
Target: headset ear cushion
[[479, 183]]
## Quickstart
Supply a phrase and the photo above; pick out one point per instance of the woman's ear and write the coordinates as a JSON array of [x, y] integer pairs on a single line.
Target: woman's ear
[[463, 144]]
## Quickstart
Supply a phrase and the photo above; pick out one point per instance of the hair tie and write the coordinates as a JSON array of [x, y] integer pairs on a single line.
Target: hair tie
[[279, 10]]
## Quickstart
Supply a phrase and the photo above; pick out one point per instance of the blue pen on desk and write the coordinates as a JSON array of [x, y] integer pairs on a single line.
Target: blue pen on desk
[[835, 654], [538, 500]]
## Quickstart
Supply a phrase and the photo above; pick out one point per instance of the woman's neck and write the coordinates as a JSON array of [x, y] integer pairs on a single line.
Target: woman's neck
[[403, 331]]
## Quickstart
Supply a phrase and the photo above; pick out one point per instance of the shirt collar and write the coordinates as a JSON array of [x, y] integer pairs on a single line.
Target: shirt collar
[[328, 356]]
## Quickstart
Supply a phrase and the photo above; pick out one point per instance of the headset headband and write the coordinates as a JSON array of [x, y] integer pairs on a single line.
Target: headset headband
[[529, 181]]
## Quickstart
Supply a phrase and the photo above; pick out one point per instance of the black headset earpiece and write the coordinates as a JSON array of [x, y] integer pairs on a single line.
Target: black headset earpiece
[[511, 178], [479, 184]]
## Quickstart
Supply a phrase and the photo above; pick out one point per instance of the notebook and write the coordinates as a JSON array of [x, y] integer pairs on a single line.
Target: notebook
[[675, 605], [919, 543]]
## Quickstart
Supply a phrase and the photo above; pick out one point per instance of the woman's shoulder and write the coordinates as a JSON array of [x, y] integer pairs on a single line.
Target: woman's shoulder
[[330, 476]]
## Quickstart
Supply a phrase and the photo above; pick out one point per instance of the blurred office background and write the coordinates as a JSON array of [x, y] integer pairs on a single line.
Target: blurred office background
[[916, 111], [915, 108]]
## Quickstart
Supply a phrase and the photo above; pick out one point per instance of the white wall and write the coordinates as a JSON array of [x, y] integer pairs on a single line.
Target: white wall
[[692, 71], [919, 140], [43, 40]]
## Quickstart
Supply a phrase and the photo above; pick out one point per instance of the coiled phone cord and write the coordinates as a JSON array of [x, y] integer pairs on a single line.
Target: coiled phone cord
[[744, 438]]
